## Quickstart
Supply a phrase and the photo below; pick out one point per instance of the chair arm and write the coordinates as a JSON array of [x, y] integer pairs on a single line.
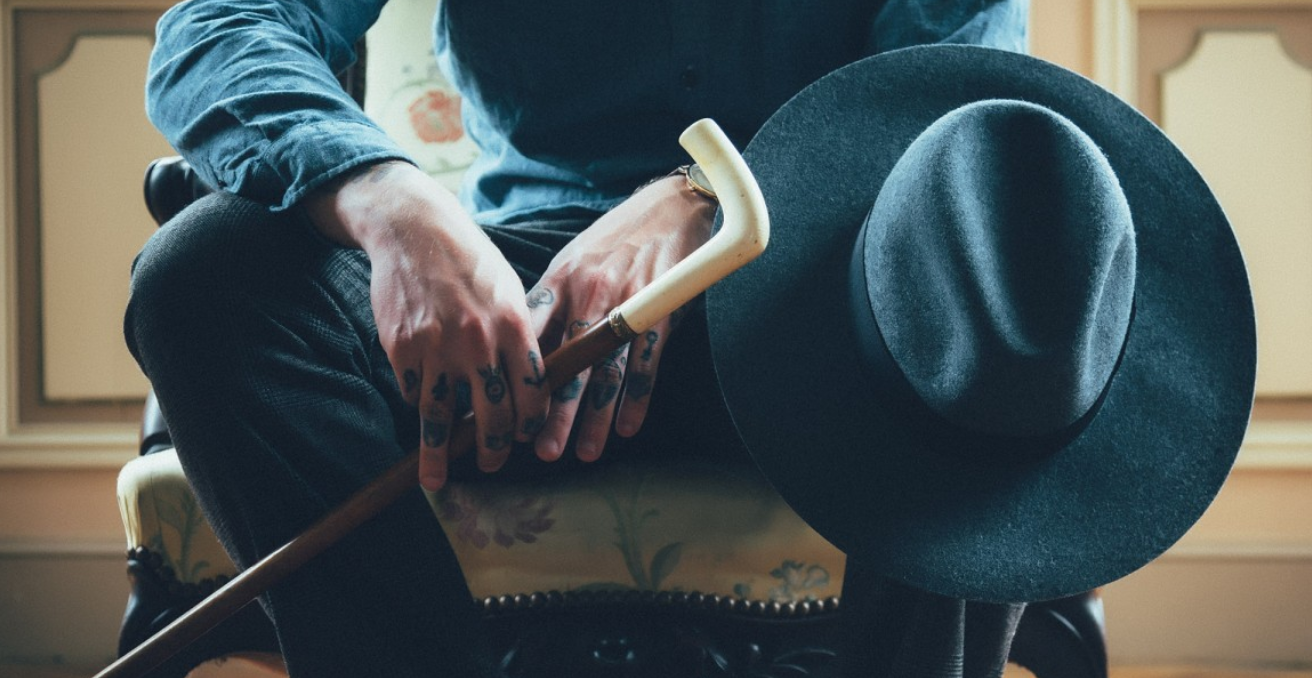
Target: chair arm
[[170, 185]]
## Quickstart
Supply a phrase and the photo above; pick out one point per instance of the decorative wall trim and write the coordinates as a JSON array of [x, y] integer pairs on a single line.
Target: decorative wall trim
[[1116, 32], [49, 38], [99, 549], [1277, 445], [106, 449], [1220, 551]]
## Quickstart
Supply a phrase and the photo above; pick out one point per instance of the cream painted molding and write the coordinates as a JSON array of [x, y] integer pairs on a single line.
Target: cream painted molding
[[1274, 445], [8, 237], [1116, 30], [1219, 551], [1268, 445], [1114, 51], [98, 549], [104, 449], [87, 446]]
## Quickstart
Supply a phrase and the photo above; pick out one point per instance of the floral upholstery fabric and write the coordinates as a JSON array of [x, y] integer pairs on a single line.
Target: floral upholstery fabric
[[691, 527], [407, 94]]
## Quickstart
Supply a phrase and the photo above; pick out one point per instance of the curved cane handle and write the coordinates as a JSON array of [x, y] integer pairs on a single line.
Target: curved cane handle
[[743, 236]]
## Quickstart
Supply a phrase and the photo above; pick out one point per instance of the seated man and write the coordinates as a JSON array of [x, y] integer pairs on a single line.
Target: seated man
[[333, 306]]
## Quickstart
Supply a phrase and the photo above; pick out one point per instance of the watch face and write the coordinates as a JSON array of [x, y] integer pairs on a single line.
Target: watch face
[[698, 181]]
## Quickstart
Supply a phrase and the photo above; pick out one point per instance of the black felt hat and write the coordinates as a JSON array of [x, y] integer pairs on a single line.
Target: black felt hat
[[1001, 345]]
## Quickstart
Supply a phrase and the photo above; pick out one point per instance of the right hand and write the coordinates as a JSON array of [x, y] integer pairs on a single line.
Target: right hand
[[450, 311]]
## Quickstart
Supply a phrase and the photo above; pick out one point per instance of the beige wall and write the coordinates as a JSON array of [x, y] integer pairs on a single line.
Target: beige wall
[[1235, 591]]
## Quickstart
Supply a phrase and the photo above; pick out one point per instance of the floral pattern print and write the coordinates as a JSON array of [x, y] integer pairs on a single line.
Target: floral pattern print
[[435, 117], [798, 582], [503, 519]]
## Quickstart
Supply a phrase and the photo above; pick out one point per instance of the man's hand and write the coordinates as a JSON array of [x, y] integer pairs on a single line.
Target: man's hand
[[614, 258], [450, 311]]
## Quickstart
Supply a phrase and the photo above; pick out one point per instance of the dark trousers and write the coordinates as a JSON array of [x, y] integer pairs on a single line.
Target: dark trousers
[[258, 337]]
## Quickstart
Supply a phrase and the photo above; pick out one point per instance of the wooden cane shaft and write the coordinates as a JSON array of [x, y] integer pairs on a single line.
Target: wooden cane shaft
[[561, 366]]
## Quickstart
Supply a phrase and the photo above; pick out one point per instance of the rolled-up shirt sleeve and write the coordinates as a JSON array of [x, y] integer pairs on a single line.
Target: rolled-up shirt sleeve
[[990, 23], [245, 90]]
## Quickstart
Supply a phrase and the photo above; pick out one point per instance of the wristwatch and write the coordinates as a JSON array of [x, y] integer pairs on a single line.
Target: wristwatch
[[697, 181]]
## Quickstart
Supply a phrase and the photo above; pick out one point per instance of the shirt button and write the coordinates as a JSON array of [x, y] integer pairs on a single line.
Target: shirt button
[[689, 78]]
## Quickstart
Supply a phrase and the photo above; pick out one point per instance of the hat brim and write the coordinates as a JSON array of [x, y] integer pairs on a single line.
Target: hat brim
[[1115, 497]]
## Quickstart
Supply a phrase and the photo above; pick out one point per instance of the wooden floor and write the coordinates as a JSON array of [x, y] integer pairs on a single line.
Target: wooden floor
[[244, 669]]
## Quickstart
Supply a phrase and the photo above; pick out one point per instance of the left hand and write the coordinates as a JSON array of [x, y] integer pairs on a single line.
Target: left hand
[[618, 255]]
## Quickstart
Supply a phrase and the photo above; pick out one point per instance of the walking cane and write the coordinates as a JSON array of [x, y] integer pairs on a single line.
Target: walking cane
[[740, 239]]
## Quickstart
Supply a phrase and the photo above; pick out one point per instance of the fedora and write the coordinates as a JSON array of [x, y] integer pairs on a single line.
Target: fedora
[[1002, 345]]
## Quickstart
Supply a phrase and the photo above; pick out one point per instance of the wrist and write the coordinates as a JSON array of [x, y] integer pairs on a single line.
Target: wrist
[[695, 180], [365, 206], [692, 179]]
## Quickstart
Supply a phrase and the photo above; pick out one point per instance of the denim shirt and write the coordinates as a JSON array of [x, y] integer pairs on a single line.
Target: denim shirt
[[572, 104]]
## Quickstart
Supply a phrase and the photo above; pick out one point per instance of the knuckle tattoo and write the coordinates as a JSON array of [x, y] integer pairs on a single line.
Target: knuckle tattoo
[[569, 391], [534, 425], [494, 385], [650, 339], [435, 432], [441, 389], [577, 327], [539, 378], [541, 296], [464, 396], [496, 442], [410, 380]]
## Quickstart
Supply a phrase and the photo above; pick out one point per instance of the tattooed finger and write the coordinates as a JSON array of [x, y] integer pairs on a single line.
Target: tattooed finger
[[577, 327], [607, 377], [494, 385], [539, 378], [435, 432], [464, 397], [541, 296]]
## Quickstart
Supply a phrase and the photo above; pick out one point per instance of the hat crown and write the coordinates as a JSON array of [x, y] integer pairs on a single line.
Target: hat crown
[[999, 260]]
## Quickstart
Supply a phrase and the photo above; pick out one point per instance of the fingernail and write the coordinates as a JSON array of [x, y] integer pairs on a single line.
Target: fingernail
[[432, 483], [548, 450], [587, 452]]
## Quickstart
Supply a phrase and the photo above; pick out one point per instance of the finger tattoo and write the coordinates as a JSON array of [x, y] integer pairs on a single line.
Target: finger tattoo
[[435, 432], [569, 391], [650, 337], [606, 379], [410, 380], [541, 296], [464, 397], [496, 443], [534, 425], [577, 327], [494, 386], [538, 378], [440, 390]]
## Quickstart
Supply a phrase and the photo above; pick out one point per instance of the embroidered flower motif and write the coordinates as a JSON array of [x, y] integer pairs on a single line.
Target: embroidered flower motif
[[481, 520], [435, 117], [795, 579]]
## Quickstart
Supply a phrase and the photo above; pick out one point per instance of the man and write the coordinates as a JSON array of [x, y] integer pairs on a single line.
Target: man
[[334, 306]]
